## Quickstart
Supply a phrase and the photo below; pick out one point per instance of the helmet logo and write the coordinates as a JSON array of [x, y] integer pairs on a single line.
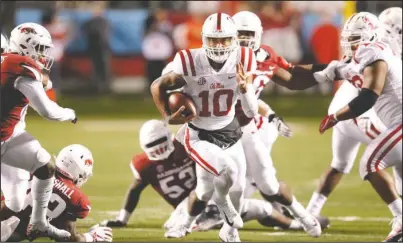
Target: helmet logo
[[368, 22], [28, 30], [88, 162]]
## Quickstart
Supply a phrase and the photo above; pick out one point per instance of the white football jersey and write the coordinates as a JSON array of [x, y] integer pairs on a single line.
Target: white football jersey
[[346, 93], [214, 93], [388, 107]]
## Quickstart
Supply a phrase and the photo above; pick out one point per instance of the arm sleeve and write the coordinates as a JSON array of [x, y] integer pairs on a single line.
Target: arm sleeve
[[249, 102], [34, 92]]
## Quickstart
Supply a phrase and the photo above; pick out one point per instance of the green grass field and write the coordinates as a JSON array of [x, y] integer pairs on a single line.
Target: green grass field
[[356, 212]]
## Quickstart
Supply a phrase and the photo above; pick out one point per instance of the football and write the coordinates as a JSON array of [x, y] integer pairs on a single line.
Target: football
[[178, 99]]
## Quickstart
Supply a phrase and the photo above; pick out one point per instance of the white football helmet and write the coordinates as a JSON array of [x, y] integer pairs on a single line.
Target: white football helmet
[[33, 40], [4, 44], [391, 20], [248, 22], [219, 36], [156, 140], [360, 27], [75, 162]]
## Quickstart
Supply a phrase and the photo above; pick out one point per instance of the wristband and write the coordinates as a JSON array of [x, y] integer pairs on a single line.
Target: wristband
[[88, 237]]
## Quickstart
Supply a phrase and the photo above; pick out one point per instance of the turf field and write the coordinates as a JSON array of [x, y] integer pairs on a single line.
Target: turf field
[[356, 212]]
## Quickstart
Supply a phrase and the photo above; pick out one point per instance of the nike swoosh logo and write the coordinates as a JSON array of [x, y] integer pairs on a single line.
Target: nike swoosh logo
[[231, 77], [228, 222]]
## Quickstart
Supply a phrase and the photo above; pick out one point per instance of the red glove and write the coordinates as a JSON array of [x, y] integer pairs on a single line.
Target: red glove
[[281, 62], [327, 122]]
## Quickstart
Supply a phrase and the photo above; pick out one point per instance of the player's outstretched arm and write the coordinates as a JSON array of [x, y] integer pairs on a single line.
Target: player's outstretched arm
[[33, 90], [130, 204], [373, 83], [159, 88], [266, 111], [299, 77], [95, 234]]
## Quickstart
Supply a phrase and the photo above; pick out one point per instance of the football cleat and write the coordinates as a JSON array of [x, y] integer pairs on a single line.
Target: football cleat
[[311, 225], [39, 229], [230, 215], [179, 231], [228, 234], [209, 219], [396, 234]]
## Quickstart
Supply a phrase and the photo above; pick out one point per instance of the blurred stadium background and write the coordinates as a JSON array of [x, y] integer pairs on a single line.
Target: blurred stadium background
[[108, 52], [106, 46]]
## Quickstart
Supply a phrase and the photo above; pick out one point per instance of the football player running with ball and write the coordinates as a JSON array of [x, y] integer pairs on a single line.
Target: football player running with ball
[[214, 76]]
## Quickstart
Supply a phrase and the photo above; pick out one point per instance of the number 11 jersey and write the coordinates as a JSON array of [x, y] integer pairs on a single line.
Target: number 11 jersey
[[214, 92]]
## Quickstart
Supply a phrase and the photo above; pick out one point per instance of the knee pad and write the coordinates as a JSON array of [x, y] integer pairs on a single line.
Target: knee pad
[[15, 203], [43, 157], [230, 172], [342, 167]]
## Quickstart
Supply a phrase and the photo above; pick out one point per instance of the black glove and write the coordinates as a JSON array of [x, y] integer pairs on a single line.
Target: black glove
[[283, 129]]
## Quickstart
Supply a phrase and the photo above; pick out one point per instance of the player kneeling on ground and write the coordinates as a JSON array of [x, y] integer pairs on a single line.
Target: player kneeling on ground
[[68, 203]]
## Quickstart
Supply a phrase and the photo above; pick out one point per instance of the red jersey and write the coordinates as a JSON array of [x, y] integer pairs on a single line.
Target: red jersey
[[173, 178], [14, 105], [266, 59], [67, 202]]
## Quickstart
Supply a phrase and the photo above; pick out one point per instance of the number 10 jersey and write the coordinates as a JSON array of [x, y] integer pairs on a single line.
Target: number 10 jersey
[[214, 92]]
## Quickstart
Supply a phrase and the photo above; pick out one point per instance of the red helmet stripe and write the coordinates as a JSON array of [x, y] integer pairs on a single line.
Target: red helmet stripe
[[219, 21]]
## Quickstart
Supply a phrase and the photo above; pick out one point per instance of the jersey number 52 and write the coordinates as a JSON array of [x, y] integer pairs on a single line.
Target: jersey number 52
[[173, 188]]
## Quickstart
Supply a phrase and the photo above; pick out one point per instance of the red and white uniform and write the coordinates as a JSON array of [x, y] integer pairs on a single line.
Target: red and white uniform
[[259, 135], [385, 150], [67, 203], [215, 94], [349, 134], [20, 84], [173, 178], [14, 104]]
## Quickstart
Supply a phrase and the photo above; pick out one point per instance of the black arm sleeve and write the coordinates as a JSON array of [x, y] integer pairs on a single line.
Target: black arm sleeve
[[363, 102]]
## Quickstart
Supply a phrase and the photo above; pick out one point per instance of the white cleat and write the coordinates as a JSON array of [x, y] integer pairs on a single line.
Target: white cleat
[[230, 215], [179, 231], [396, 234], [228, 234], [8, 227], [45, 229], [311, 225]]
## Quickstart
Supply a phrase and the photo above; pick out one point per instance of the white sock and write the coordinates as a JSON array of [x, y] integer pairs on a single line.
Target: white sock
[[396, 207], [41, 191], [295, 225], [297, 209], [188, 219], [316, 203], [123, 216]]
